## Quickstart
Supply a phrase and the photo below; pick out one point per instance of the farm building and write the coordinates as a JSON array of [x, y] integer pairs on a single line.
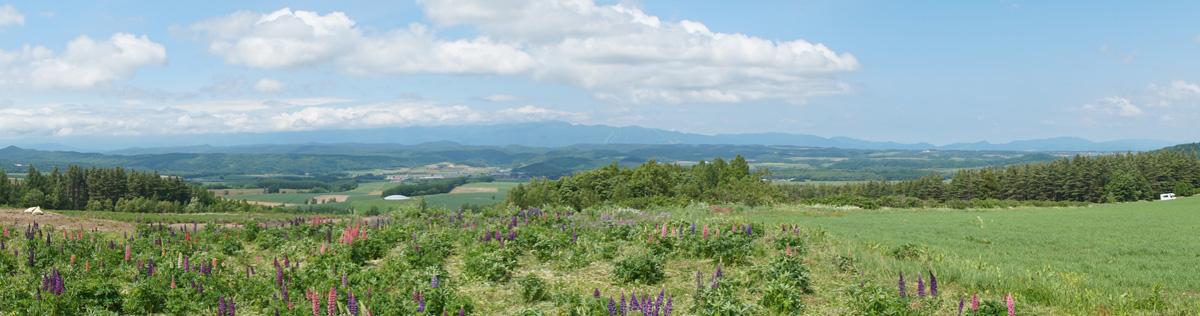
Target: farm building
[[396, 198]]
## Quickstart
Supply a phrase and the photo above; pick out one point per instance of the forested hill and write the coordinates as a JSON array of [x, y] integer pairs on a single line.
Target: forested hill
[[801, 163], [1193, 147]]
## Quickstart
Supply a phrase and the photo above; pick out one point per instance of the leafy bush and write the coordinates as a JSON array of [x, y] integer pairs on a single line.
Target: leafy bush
[[533, 288], [490, 264], [873, 300], [640, 268], [721, 300]]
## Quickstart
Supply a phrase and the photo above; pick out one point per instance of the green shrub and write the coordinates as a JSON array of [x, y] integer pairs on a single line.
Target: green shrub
[[641, 268], [533, 289], [491, 264]]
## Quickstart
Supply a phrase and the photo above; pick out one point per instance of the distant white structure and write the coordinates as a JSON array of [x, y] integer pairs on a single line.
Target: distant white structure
[[36, 210], [396, 198], [1166, 196]]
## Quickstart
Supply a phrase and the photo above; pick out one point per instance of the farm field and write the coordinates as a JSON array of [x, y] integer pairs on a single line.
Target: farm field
[[367, 195], [1087, 260]]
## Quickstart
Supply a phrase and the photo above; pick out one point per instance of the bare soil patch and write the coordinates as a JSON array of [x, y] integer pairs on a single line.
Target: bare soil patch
[[62, 221], [270, 203], [473, 190], [321, 199], [237, 192]]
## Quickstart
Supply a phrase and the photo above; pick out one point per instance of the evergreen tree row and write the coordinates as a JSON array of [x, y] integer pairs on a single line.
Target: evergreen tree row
[[1099, 179], [652, 184], [101, 189]]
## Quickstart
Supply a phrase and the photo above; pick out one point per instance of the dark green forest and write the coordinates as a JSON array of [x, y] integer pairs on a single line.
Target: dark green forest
[[1100, 179], [433, 186], [109, 189], [652, 183]]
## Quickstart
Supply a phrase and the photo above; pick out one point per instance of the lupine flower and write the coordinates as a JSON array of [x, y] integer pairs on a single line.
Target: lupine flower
[[960, 304], [221, 308], [974, 302], [698, 275], [596, 293], [332, 300], [1011, 305], [920, 287], [420, 304], [435, 281], [901, 284], [667, 311], [932, 284], [612, 307], [623, 306], [352, 304]]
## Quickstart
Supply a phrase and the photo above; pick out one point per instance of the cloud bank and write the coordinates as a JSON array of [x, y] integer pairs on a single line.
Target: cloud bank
[[618, 52], [86, 63]]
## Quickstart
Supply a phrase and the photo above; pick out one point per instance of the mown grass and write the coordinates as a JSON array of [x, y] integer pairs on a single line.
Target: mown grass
[[1111, 259]]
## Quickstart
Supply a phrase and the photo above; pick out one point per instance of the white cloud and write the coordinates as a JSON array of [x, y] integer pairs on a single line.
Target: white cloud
[[287, 38], [1178, 93], [619, 53], [251, 115], [503, 98], [623, 52], [10, 16], [268, 85], [1116, 106], [85, 63]]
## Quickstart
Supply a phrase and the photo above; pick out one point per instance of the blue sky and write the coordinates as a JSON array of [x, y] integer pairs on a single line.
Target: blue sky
[[939, 72]]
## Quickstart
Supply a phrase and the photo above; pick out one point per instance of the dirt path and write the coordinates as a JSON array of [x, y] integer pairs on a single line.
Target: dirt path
[[270, 203], [8, 216], [473, 190]]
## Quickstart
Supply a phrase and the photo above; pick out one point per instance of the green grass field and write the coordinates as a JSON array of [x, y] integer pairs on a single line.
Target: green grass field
[[1085, 260]]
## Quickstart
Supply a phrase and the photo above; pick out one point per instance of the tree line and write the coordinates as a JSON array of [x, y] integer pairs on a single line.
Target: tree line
[[434, 186], [652, 184], [108, 189], [1099, 179]]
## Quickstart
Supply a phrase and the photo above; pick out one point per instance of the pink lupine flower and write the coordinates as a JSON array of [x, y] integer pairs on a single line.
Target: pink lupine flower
[[1011, 306], [974, 302], [126, 252]]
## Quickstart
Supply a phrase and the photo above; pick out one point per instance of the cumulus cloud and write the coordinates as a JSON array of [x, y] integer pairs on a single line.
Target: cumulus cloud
[[287, 38], [618, 52], [251, 115], [1116, 106], [10, 16], [268, 85], [623, 52], [85, 63], [1179, 93]]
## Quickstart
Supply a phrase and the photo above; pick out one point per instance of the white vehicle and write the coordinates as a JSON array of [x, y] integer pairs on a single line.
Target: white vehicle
[[1167, 196]]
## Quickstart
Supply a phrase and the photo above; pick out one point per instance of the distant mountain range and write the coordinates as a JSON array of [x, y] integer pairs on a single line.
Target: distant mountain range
[[541, 134]]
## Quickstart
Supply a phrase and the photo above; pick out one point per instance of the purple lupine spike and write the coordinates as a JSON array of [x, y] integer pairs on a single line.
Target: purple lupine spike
[[221, 308], [623, 307], [232, 308], [462, 311], [435, 281], [420, 303], [920, 287], [633, 302], [698, 276], [719, 274], [961, 300], [749, 230], [901, 284], [693, 228], [344, 280], [932, 284], [612, 307], [596, 293], [667, 311], [351, 303]]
